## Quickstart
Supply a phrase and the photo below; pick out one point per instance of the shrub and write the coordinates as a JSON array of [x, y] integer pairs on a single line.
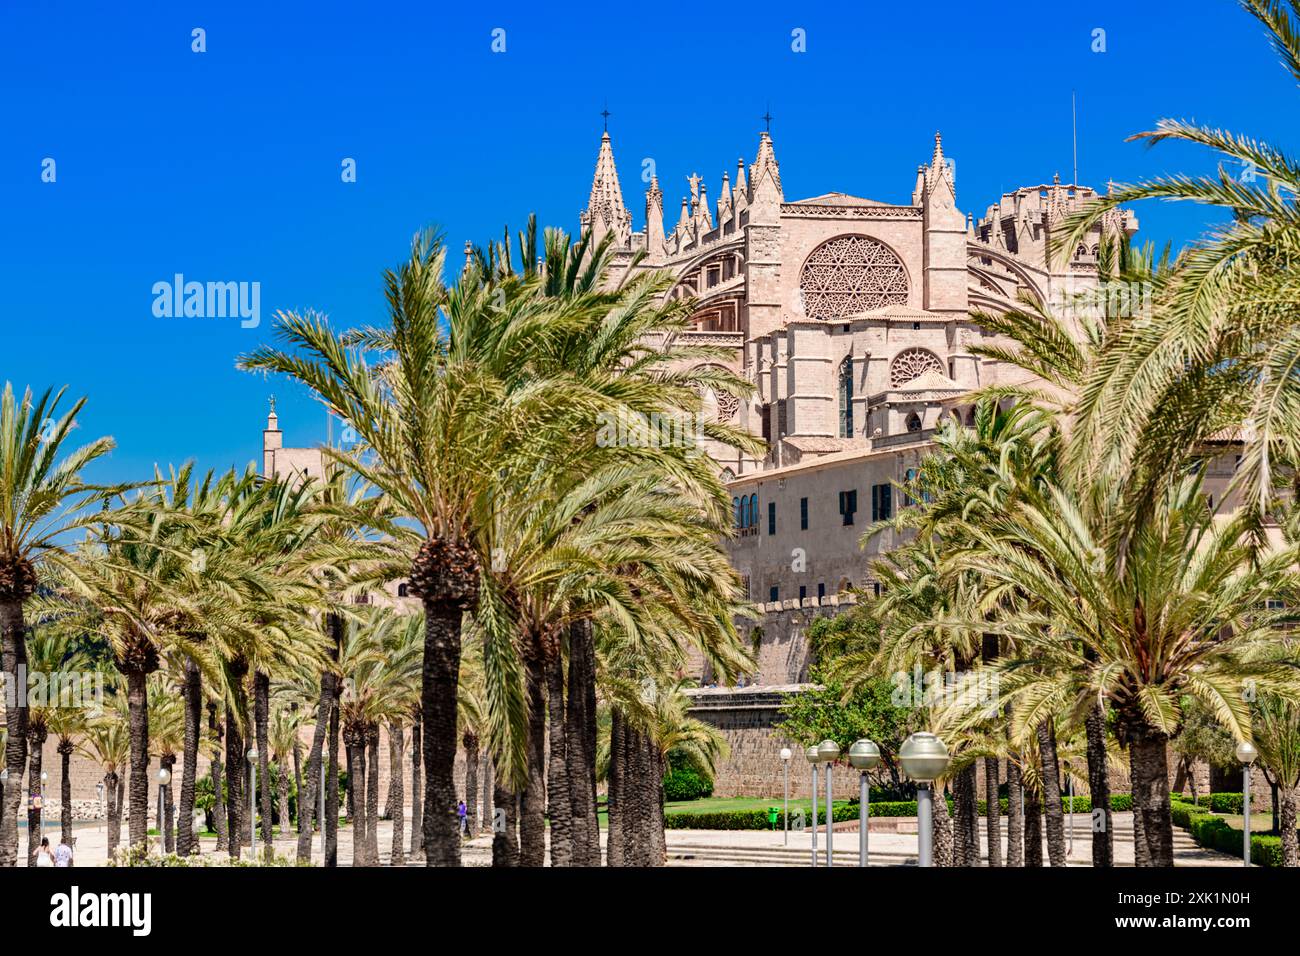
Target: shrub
[[146, 855], [684, 783], [1215, 833]]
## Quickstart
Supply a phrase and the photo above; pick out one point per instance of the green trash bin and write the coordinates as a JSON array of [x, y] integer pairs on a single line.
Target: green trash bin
[[772, 814]]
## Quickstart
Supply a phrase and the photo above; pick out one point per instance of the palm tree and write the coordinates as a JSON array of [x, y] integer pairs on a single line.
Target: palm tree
[[282, 735], [67, 723], [446, 405], [106, 740], [166, 736], [1183, 613], [41, 497], [1217, 353]]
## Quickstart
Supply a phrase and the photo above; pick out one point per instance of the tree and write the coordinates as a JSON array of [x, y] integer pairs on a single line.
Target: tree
[[446, 406], [41, 497], [1184, 612], [1216, 351]]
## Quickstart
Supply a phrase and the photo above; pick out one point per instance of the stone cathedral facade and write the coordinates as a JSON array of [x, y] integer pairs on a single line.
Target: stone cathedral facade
[[852, 318]]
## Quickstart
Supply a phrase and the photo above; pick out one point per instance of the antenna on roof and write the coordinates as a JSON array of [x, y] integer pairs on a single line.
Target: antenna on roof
[[1074, 123]]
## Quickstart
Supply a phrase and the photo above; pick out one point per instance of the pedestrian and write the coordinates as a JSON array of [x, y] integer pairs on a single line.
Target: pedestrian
[[463, 814], [43, 855], [63, 854]]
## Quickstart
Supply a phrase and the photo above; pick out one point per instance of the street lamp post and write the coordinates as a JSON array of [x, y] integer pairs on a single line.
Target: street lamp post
[[864, 755], [924, 758], [785, 774], [164, 778], [829, 751], [811, 754], [1246, 753], [41, 809], [252, 797]]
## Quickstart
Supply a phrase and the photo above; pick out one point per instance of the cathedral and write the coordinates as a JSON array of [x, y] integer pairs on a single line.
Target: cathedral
[[852, 319]]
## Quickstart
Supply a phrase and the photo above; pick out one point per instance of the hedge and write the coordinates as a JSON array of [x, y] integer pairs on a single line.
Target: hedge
[[1215, 833], [758, 819]]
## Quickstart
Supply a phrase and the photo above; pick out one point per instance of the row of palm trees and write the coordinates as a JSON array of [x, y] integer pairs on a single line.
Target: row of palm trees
[[1068, 550], [553, 568]]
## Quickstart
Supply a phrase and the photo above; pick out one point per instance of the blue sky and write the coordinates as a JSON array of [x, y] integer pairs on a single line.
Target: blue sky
[[225, 165]]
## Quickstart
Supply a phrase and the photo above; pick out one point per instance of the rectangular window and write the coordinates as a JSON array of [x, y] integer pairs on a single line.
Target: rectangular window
[[771, 517], [803, 514], [774, 593], [803, 593], [848, 505], [821, 590], [882, 502]]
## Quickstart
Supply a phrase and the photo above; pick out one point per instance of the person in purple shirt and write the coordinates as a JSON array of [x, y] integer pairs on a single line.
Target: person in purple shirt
[[461, 813]]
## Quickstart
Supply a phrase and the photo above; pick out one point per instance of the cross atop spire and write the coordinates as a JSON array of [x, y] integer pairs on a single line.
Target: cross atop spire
[[606, 114], [767, 118]]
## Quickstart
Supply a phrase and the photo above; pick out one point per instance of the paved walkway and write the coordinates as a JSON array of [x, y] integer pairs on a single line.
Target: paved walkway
[[893, 845]]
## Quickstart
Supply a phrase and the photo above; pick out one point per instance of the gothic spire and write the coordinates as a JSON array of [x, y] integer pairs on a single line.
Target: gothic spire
[[605, 210], [765, 168]]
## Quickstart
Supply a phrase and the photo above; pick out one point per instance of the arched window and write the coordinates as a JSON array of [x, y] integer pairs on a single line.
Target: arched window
[[753, 510], [735, 511], [846, 397], [970, 417], [403, 590], [913, 422]]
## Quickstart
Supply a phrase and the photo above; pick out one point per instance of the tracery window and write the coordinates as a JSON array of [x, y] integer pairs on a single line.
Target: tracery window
[[851, 274], [846, 397], [910, 364], [913, 422]]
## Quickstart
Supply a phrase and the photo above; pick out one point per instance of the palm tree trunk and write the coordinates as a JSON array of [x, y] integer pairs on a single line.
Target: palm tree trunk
[[218, 796], [349, 750], [330, 828], [261, 717], [1141, 855], [13, 659], [965, 822], [486, 775], [372, 795], [1103, 839], [944, 842], [1033, 828], [309, 790], [1053, 810], [65, 789], [615, 842], [1015, 815], [505, 838], [36, 734], [992, 812], [532, 803], [1287, 825], [166, 826], [297, 784], [354, 744], [284, 796], [192, 694], [397, 792], [580, 743], [1151, 794], [470, 741], [417, 790], [137, 702], [113, 805], [438, 705], [235, 762], [558, 797]]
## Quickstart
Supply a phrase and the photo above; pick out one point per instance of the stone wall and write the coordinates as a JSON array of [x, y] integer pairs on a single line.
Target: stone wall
[[747, 717]]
